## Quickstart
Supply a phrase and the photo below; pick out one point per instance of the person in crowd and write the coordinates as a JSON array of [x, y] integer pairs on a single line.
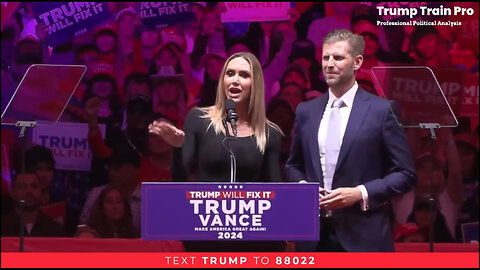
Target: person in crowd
[[111, 216], [426, 211], [277, 35], [293, 94], [123, 168], [468, 154], [170, 96], [103, 99], [213, 63], [440, 176], [275, 68], [150, 39], [106, 40], [294, 73], [26, 193], [428, 48], [39, 161], [87, 55], [365, 26], [303, 54], [136, 85], [211, 34], [27, 51], [104, 87], [156, 155], [166, 54], [280, 112]]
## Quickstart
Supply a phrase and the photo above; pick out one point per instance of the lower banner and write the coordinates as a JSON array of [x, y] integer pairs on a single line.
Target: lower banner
[[241, 260], [224, 211]]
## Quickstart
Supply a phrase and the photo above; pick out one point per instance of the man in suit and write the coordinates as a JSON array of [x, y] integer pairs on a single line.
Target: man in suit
[[349, 141]]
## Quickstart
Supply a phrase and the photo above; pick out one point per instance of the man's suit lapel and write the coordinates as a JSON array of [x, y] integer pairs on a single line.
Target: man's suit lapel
[[317, 112], [359, 110]]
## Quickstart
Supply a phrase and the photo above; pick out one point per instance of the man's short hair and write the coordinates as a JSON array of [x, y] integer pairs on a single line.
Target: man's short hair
[[37, 154], [302, 49], [124, 155], [356, 42], [140, 104], [423, 31], [28, 51], [138, 78]]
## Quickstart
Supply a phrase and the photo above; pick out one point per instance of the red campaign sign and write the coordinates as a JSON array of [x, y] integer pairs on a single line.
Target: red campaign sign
[[470, 96]]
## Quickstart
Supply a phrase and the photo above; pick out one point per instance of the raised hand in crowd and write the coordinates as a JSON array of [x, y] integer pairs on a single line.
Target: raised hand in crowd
[[92, 107], [41, 30]]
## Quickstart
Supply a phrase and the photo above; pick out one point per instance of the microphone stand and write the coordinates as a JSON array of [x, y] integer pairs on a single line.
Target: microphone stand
[[431, 200], [233, 161], [23, 125]]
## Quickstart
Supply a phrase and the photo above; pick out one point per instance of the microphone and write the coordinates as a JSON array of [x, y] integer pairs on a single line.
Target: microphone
[[232, 116]]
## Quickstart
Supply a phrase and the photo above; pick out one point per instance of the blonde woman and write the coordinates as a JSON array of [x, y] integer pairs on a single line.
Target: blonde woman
[[257, 148]]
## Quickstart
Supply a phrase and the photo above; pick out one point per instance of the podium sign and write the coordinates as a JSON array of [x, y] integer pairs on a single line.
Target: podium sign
[[67, 20], [224, 211]]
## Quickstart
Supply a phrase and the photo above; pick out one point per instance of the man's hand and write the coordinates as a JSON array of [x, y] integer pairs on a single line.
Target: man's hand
[[340, 198]]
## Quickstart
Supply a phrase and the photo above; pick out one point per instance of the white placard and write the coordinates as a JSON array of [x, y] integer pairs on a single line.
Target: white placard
[[68, 142], [255, 11]]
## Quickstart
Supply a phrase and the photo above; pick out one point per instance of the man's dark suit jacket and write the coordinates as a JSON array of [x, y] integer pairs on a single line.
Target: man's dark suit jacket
[[374, 153]]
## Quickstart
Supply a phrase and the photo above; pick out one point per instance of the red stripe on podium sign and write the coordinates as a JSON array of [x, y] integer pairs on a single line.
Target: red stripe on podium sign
[[241, 260]]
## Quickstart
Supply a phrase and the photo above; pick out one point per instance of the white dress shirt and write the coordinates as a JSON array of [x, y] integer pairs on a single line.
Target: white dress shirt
[[345, 110]]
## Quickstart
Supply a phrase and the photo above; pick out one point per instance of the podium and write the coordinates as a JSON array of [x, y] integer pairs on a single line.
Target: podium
[[230, 211]]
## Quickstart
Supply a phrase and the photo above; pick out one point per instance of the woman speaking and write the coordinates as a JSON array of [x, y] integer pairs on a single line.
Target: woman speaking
[[255, 143]]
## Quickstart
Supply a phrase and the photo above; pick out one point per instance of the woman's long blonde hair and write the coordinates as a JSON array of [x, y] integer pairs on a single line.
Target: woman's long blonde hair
[[256, 105]]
